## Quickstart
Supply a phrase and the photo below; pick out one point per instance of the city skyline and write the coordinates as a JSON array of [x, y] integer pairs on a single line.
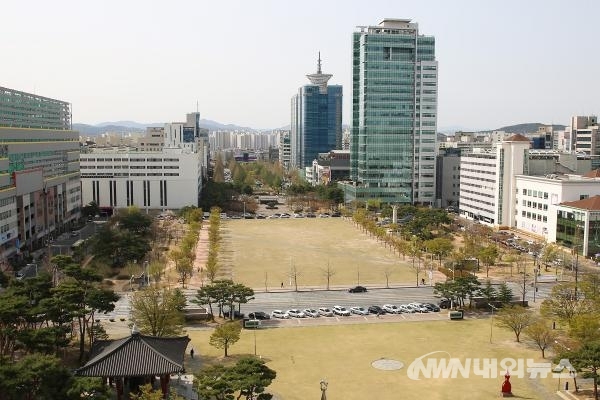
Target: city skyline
[[500, 63]]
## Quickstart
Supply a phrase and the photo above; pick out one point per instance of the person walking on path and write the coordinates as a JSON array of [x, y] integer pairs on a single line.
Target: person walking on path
[[192, 352]]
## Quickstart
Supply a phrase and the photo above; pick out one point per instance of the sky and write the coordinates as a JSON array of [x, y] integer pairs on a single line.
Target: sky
[[240, 62]]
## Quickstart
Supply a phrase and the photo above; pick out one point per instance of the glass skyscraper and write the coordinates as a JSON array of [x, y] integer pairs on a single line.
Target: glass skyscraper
[[394, 114], [316, 124]]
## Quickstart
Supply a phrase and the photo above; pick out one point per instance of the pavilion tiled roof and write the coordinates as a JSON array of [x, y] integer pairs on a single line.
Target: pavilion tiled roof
[[591, 203], [136, 355]]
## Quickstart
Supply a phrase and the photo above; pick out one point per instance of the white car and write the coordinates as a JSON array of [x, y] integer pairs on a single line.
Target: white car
[[405, 308], [311, 312], [359, 310], [421, 308], [325, 312], [391, 309], [295, 313], [279, 314], [339, 310]]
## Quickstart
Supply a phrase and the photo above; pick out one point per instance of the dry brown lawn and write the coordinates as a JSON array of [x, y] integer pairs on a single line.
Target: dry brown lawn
[[253, 251], [342, 354]]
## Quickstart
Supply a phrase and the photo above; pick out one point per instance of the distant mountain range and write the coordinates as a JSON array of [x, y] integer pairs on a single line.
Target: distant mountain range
[[531, 127], [132, 126]]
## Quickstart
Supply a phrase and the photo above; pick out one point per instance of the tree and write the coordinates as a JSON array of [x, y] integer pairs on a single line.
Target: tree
[[505, 294], [328, 273], [488, 292], [88, 388], [158, 312], [585, 327], [219, 171], [440, 247], [213, 382], [148, 393], [515, 318], [388, 273], [226, 335], [541, 334], [251, 376], [294, 274], [133, 220], [587, 360], [488, 256], [35, 376], [83, 298], [562, 304]]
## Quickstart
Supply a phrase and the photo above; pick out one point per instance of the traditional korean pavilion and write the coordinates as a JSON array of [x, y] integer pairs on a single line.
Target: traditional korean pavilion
[[136, 360]]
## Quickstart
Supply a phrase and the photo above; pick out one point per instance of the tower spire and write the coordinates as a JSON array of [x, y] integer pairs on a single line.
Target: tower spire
[[319, 64], [319, 78]]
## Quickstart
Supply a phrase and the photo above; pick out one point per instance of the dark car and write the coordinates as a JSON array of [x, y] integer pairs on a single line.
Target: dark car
[[259, 315], [336, 214], [357, 289], [445, 303], [432, 307], [376, 310], [236, 314]]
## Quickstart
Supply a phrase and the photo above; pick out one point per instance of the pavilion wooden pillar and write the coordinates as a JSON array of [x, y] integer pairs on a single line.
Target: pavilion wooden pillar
[[164, 384], [119, 386]]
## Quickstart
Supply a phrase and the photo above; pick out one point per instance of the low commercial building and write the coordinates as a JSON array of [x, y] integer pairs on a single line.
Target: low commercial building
[[153, 176]]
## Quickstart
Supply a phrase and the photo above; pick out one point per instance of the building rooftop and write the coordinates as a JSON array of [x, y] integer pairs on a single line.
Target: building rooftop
[[517, 138], [591, 204]]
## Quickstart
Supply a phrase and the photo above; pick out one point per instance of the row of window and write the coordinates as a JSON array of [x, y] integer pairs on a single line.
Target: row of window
[[534, 216], [539, 206], [535, 193]]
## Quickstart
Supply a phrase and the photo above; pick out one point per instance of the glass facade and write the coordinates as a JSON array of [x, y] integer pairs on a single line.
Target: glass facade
[[316, 123], [394, 113]]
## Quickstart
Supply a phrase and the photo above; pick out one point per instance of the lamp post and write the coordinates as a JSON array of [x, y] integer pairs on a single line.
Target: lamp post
[[323, 384], [492, 321]]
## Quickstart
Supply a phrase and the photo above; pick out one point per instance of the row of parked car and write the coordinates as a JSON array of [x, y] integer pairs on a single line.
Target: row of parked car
[[346, 311]]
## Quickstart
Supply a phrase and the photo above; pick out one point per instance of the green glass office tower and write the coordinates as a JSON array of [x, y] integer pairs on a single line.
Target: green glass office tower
[[394, 114]]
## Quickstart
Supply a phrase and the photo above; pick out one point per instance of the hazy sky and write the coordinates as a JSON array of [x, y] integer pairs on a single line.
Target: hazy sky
[[500, 62]]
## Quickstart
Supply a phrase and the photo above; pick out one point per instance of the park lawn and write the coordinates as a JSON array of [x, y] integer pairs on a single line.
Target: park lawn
[[254, 249], [342, 354]]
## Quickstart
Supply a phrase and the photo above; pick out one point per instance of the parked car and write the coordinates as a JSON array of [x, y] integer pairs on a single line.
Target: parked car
[[311, 312], [259, 315], [419, 307], [391, 309], [325, 312], [405, 308], [295, 313], [339, 310], [236, 314], [279, 314], [359, 310], [376, 310], [336, 214], [357, 289], [284, 215], [445, 303], [432, 307]]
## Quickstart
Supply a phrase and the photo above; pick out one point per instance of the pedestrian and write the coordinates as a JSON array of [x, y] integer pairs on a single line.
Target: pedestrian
[[379, 314], [423, 281], [192, 352], [282, 285]]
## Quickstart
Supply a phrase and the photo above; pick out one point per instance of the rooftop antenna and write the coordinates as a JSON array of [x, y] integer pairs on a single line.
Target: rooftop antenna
[[319, 64], [197, 106]]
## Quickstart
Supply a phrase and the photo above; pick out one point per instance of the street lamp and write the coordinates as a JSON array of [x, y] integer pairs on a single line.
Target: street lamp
[[492, 322], [323, 384]]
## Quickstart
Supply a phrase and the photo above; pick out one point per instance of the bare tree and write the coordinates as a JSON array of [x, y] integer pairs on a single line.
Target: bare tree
[[388, 273], [515, 318], [541, 334], [294, 274], [328, 273]]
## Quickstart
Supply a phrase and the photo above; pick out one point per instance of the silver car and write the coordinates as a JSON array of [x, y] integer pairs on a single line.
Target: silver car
[[339, 310], [359, 310], [325, 312], [311, 312]]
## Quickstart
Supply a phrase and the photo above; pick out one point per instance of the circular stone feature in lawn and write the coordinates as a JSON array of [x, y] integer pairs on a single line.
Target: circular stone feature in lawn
[[387, 365]]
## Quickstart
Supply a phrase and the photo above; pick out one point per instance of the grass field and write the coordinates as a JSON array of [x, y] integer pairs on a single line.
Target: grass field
[[252, 249], [342, 354]]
